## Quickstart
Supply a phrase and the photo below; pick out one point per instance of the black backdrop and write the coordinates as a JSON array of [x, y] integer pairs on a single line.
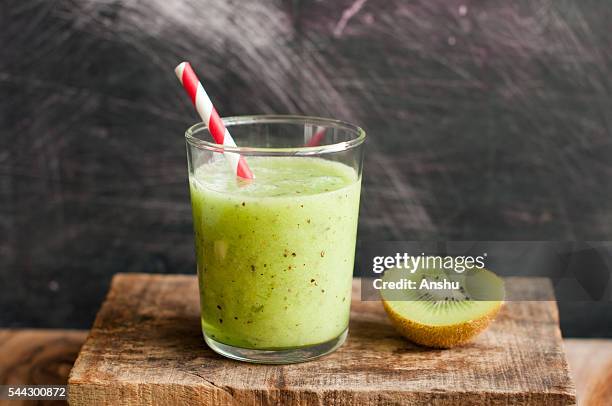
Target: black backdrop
[[487, 121]]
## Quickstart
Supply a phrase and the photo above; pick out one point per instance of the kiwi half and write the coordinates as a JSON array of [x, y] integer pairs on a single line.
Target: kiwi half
[[443, 318]]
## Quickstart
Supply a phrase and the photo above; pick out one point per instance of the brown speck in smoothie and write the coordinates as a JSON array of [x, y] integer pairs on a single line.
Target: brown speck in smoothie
[[249, 321], [235, 318], [322, 254], [289, 290], [243, 204], [265, 265], [322, 290], [302, 206], [253, 268], [221, 321], [308, 221], [312, 280], [289, 268], [344, 299], [293, 254], [218, 307]]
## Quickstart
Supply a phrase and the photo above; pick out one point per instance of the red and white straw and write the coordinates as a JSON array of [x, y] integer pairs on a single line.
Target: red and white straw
[[316, 138], [211, 118]]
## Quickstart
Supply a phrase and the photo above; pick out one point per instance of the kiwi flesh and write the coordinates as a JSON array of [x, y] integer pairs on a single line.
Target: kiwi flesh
[[443, 318]]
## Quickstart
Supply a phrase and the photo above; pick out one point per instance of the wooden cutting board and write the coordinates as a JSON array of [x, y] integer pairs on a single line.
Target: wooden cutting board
[[146, 348]]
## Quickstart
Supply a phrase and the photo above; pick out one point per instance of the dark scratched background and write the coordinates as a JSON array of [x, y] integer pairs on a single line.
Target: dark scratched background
[[488, 120]]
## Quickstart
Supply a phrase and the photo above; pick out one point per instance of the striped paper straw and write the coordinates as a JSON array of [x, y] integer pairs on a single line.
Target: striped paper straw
[[211, 118], [317, 137]]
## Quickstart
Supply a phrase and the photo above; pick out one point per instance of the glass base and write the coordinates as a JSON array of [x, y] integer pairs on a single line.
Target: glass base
[[290, 356]]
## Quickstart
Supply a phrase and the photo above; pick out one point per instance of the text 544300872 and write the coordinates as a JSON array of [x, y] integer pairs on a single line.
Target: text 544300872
[[33, 392]]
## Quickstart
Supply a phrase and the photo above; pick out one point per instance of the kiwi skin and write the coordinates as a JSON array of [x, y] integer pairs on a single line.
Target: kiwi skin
[[440, 336]]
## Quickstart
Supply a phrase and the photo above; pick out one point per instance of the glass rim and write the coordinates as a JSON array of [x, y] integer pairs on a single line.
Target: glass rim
[[360, 135]]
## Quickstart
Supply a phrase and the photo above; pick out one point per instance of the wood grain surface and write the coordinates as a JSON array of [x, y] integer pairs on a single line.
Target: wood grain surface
[[146, 348], [591, 366], [590, 362], [37, 357]]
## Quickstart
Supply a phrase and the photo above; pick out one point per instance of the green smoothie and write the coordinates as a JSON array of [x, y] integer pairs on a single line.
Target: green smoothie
[[275, 255]]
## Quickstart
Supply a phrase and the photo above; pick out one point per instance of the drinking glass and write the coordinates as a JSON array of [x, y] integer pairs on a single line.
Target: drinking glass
[[275, 253]]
